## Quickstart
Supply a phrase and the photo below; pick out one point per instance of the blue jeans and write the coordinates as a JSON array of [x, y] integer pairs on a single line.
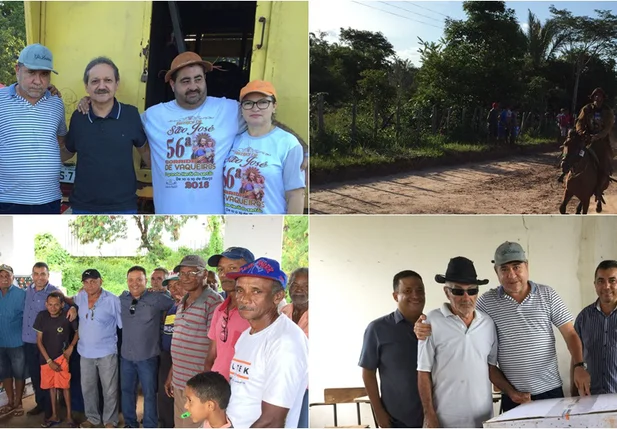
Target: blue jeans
[[118, 212], [49, 208], [303, 421], [13, 363], [43, 399], [146, 371]]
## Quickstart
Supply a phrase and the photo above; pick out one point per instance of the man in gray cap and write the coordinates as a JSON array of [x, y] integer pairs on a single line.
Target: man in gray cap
[[190, 343], [227, 324], [33, 130], [525, 313]]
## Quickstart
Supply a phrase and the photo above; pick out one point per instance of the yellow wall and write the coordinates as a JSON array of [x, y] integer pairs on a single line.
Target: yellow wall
[[284, 59], [123, 30], [77, 32]]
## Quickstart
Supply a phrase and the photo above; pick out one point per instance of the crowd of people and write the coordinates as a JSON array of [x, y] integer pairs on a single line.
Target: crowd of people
[[503, 338], [200, 357], [201, 149]]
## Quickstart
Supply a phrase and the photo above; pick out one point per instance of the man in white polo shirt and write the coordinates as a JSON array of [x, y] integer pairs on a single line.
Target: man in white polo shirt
[[453, 372], [525, 313], [32, 130]]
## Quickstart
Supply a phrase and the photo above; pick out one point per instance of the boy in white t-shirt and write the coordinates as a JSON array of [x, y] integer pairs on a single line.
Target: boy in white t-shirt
[[269, 371]]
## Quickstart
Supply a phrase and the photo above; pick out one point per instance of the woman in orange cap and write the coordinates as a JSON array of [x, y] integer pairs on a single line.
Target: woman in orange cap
[[262, 173]]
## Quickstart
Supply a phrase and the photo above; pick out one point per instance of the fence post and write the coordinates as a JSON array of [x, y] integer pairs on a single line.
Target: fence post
[[354, 112], [320, 122]]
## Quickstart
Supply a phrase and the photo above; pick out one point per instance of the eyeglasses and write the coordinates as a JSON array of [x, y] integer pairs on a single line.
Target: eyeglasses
[[261, 104], [190, 274], [91, 312], [461, 292], [133, 306]]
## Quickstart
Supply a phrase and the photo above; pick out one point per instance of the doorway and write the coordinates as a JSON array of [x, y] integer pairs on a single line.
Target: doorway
[[219, 31]]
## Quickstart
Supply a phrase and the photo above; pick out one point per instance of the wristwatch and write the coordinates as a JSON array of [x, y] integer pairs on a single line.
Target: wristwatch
[[583, 364]]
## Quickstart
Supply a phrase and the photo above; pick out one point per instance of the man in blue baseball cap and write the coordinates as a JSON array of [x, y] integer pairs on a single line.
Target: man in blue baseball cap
[[269, 371], [33, 132]]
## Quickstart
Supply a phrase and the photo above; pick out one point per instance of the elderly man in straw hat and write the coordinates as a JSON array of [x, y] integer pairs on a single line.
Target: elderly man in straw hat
[[453, 363]]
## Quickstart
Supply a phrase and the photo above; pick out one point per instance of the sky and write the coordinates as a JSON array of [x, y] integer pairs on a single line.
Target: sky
[[402, 22]]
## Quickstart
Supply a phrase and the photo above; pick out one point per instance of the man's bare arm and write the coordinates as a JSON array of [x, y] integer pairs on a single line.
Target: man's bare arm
[[144, 151], [65, 154], [370, 384], [425, 389], [271, 416], [211, 357]]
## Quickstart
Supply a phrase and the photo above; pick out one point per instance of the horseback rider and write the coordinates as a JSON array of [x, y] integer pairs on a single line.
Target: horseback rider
[[596, 120]]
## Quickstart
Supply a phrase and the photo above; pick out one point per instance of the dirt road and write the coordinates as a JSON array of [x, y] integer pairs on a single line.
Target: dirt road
[[518, 185]]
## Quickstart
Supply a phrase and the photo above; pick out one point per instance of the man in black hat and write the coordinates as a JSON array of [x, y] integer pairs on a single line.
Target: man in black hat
[[391, 348], [456, 357], [596, 120]]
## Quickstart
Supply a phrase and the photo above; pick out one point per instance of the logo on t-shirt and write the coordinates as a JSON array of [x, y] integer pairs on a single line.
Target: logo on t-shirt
[[190, 154], [239, 371], [244, 169]]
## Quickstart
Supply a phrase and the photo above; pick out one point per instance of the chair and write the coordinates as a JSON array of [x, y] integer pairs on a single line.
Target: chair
[[347, 395]]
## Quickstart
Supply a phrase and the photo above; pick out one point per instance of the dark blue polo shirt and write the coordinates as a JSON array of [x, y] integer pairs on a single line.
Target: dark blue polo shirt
[[391, 347], [105, 176]]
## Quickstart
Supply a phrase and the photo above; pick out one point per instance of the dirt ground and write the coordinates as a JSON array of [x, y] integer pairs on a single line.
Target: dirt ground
[[517, 185], [27, 421]]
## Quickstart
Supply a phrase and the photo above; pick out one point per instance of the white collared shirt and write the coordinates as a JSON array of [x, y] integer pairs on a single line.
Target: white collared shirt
[[457, 358]]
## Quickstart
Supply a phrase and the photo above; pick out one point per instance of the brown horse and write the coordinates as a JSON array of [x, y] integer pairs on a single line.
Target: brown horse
[[580, 164]]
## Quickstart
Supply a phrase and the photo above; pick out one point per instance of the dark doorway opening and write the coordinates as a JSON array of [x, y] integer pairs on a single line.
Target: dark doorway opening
[[219, 31]]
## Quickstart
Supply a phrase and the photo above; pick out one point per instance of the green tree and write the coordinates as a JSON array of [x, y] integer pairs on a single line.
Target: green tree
[[543, 40], [47, 249], [295, 243], [106, 229], [585, 38], [12, 38], [478, 60]]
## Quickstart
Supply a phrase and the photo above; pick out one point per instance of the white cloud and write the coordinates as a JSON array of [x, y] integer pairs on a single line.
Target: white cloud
[[524, 27], [411, 54]]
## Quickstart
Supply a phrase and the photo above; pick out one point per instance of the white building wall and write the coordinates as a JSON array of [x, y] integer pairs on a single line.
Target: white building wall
[[353, 261]]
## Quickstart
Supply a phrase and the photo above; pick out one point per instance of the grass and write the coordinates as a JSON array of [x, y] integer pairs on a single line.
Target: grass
[[359, 157]]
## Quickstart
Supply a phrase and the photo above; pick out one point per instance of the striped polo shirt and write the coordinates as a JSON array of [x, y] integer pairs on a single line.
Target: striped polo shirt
[[29, 152], [11, 316], [527, 354], [190, 343], [598, 333]]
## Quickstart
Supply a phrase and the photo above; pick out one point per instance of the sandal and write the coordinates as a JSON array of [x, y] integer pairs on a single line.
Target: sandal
[[18, 411], [6, 410], [50, 423]]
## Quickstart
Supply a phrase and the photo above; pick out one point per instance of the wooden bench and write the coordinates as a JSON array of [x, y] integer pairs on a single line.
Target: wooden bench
[[346, 395]]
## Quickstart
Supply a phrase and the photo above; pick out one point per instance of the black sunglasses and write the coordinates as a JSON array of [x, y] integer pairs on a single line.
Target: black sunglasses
[[461, 292], [224, 332], [133, 306]]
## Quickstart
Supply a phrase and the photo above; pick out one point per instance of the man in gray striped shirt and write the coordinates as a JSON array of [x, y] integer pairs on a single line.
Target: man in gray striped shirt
[[596, 325], [524, 313], [32, 130]]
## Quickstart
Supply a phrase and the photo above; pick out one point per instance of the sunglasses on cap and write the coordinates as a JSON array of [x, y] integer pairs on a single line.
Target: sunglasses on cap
[[461, 292]]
